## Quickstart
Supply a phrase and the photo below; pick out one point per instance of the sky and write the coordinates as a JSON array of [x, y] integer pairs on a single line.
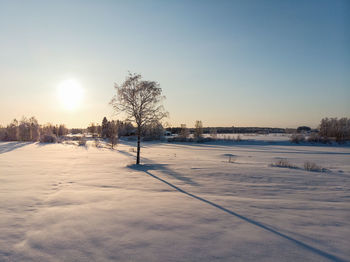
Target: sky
[[226, 63]]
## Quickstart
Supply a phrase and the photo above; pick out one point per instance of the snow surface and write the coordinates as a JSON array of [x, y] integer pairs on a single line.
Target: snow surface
[[186, 202]]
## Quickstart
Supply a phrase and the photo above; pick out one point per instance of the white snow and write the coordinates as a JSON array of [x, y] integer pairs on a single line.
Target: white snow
[[186, 202]]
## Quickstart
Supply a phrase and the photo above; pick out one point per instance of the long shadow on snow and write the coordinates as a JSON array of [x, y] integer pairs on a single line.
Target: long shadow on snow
[[163, 168], [10, 146], [146, 168]]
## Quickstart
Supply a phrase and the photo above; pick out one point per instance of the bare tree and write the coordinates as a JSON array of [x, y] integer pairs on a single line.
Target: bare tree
[[92, 129], [198, 131], [184, 133], [214, 133], [113, 132], [141, 101]]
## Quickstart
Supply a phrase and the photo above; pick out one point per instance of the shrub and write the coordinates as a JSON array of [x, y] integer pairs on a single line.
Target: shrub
[[316, 138], [82, 141], [310, 166], [283, 163], [48, 138], [297, 138]]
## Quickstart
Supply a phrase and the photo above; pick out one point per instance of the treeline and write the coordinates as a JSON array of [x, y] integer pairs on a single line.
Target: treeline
[[184, 133], [111, 128], [330, 129], [336, 129], [28, 129], [230, 130]]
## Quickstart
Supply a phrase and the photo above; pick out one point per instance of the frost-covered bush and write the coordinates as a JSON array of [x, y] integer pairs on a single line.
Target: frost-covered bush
[[297, 138], [313, 167], [283, 163], [310, 166], [316, 138], [48, 138]]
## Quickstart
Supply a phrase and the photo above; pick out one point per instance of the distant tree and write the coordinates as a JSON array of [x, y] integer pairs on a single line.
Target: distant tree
[[153, 131], [104, 131], [92, 129], [184, 132], [2, 133], [99, 130], [214, 133], [24, 130], [12, 131], [48, 129], [129, 128], [338, 129], [54, 129], [303, 129], [141, 101], [113, 132], [198, 131], [34, 129], [62, 130], [75, 131]]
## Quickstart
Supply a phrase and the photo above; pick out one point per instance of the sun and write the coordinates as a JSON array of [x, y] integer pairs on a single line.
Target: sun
[[70, 94]]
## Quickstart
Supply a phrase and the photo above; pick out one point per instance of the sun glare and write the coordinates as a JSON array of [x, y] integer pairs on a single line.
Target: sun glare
[[70, 94]]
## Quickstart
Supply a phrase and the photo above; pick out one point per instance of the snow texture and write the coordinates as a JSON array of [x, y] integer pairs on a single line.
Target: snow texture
[[186, 202]]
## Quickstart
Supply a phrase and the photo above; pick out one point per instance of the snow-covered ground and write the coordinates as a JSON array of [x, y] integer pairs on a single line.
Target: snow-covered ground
[[186, 202]]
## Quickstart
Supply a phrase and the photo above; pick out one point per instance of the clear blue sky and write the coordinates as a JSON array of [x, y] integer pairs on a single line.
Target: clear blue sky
[[243, 63]]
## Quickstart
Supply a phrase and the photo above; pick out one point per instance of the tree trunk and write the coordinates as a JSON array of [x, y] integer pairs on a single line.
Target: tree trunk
[[138, 145]]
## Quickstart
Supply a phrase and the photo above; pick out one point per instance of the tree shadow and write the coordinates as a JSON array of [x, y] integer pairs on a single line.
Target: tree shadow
[[165, 170], [146, 169], [161, 167], [10, 146]]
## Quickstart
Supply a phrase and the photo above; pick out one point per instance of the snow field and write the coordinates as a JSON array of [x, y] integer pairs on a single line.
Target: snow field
[[186, 202]]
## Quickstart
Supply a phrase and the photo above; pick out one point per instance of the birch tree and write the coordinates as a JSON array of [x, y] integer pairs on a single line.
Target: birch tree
[[141, 101]]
